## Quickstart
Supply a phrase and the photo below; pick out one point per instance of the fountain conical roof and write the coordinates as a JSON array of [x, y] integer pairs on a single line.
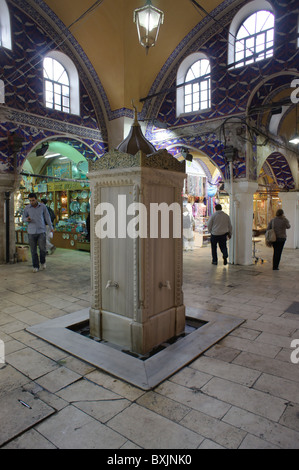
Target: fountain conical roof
[[136, 141]]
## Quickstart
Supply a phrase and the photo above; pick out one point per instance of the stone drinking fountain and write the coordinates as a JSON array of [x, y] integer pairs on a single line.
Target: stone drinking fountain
[[139, 327]]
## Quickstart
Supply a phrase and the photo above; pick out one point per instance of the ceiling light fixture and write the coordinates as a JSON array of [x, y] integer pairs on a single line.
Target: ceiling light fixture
[[295, 138], [187, 156], [42, 150], [52, 155], [148, 20]]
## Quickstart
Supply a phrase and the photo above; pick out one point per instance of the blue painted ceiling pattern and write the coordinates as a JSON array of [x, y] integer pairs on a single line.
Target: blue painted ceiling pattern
[[31, 137], [231, 88], [22, 72], [281, 170]]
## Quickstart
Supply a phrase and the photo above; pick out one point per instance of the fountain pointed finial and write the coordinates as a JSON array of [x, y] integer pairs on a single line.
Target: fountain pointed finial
[[136, 123], [136, 141]]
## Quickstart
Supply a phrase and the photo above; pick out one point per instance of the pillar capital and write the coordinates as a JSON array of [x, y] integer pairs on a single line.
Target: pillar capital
[[289, 196], [9, 182], [242, 187]]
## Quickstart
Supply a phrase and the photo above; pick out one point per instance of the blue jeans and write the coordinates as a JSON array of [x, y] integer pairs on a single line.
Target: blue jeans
[[37, 239], [221, 240]]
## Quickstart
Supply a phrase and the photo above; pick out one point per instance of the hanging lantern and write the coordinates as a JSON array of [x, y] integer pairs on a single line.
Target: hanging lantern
[[148, 20]]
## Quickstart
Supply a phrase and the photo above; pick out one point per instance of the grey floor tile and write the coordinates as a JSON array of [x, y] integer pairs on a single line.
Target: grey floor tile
[[242, 393], [70, 428], [31, 363], [20, 411], [152, 431]]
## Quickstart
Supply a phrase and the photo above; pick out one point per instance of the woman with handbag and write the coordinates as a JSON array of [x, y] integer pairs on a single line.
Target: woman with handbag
[[279, 224]]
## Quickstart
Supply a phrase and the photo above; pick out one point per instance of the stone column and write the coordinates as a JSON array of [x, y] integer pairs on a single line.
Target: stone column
[[137, 300], [241, 213], [290, 206], [8, 184]]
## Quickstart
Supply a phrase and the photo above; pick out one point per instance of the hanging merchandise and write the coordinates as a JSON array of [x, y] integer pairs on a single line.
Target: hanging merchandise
[[212, 190], [67, 197]]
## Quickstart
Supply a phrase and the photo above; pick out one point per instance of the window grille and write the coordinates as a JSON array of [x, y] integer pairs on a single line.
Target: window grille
[[56, 86], [197, 90], [255, 38]]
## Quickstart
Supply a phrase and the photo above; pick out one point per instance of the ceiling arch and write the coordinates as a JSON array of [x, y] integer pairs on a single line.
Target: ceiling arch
[[281, 170]]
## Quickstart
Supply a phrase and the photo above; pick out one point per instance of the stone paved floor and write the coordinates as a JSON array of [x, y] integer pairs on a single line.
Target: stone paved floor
[[242, 393]]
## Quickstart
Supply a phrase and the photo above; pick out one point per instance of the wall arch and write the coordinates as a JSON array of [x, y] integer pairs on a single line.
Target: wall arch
[[281, 170], [197, 155]]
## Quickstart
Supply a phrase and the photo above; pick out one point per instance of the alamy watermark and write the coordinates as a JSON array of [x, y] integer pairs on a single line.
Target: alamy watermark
[[295, 353], [2, 352], [295, 342], [295, 93], [115, 224]]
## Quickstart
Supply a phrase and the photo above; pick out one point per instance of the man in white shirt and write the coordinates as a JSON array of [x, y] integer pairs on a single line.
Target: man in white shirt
[[220, 228]]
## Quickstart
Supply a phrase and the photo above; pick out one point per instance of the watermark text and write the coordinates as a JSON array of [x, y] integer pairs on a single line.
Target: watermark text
[[115, 221], [295, 93], [295, 353]]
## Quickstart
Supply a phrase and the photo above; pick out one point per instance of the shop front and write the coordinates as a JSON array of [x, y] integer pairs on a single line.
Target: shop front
[[195, 192], [265, 205], [68, 198], [266, 201]]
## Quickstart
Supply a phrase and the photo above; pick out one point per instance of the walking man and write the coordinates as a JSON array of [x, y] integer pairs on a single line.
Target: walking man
[[37, 216], [220, 228]]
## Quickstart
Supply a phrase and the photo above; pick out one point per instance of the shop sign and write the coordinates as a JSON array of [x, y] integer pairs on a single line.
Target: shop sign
[[40, 188], [64, 186]]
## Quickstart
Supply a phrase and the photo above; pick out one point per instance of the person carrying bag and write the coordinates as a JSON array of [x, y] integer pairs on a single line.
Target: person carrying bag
[[278, 225], [270, 235]]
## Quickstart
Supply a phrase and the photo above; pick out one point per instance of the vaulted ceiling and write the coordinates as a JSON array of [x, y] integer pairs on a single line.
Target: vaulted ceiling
[[107, 34], [109, 38]]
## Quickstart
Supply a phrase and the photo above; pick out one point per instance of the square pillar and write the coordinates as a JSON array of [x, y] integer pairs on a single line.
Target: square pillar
[[290, 206], [136, 254], [241, 213], [8, 183]]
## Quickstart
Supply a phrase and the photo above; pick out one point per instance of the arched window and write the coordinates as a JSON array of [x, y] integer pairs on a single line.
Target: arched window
[[251, 34], [255, 38], [61, 83], [194, 84], [57, 86], [5, 31]]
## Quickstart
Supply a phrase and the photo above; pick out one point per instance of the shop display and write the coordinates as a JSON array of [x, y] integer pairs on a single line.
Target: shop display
[[70, 203], [265, 206], [225, 203]]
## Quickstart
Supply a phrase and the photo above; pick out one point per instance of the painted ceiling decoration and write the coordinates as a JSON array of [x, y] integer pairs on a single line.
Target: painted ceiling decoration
[[101, 40]]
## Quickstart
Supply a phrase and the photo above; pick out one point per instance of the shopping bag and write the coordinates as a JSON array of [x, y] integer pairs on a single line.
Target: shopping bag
[[270, 237]]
